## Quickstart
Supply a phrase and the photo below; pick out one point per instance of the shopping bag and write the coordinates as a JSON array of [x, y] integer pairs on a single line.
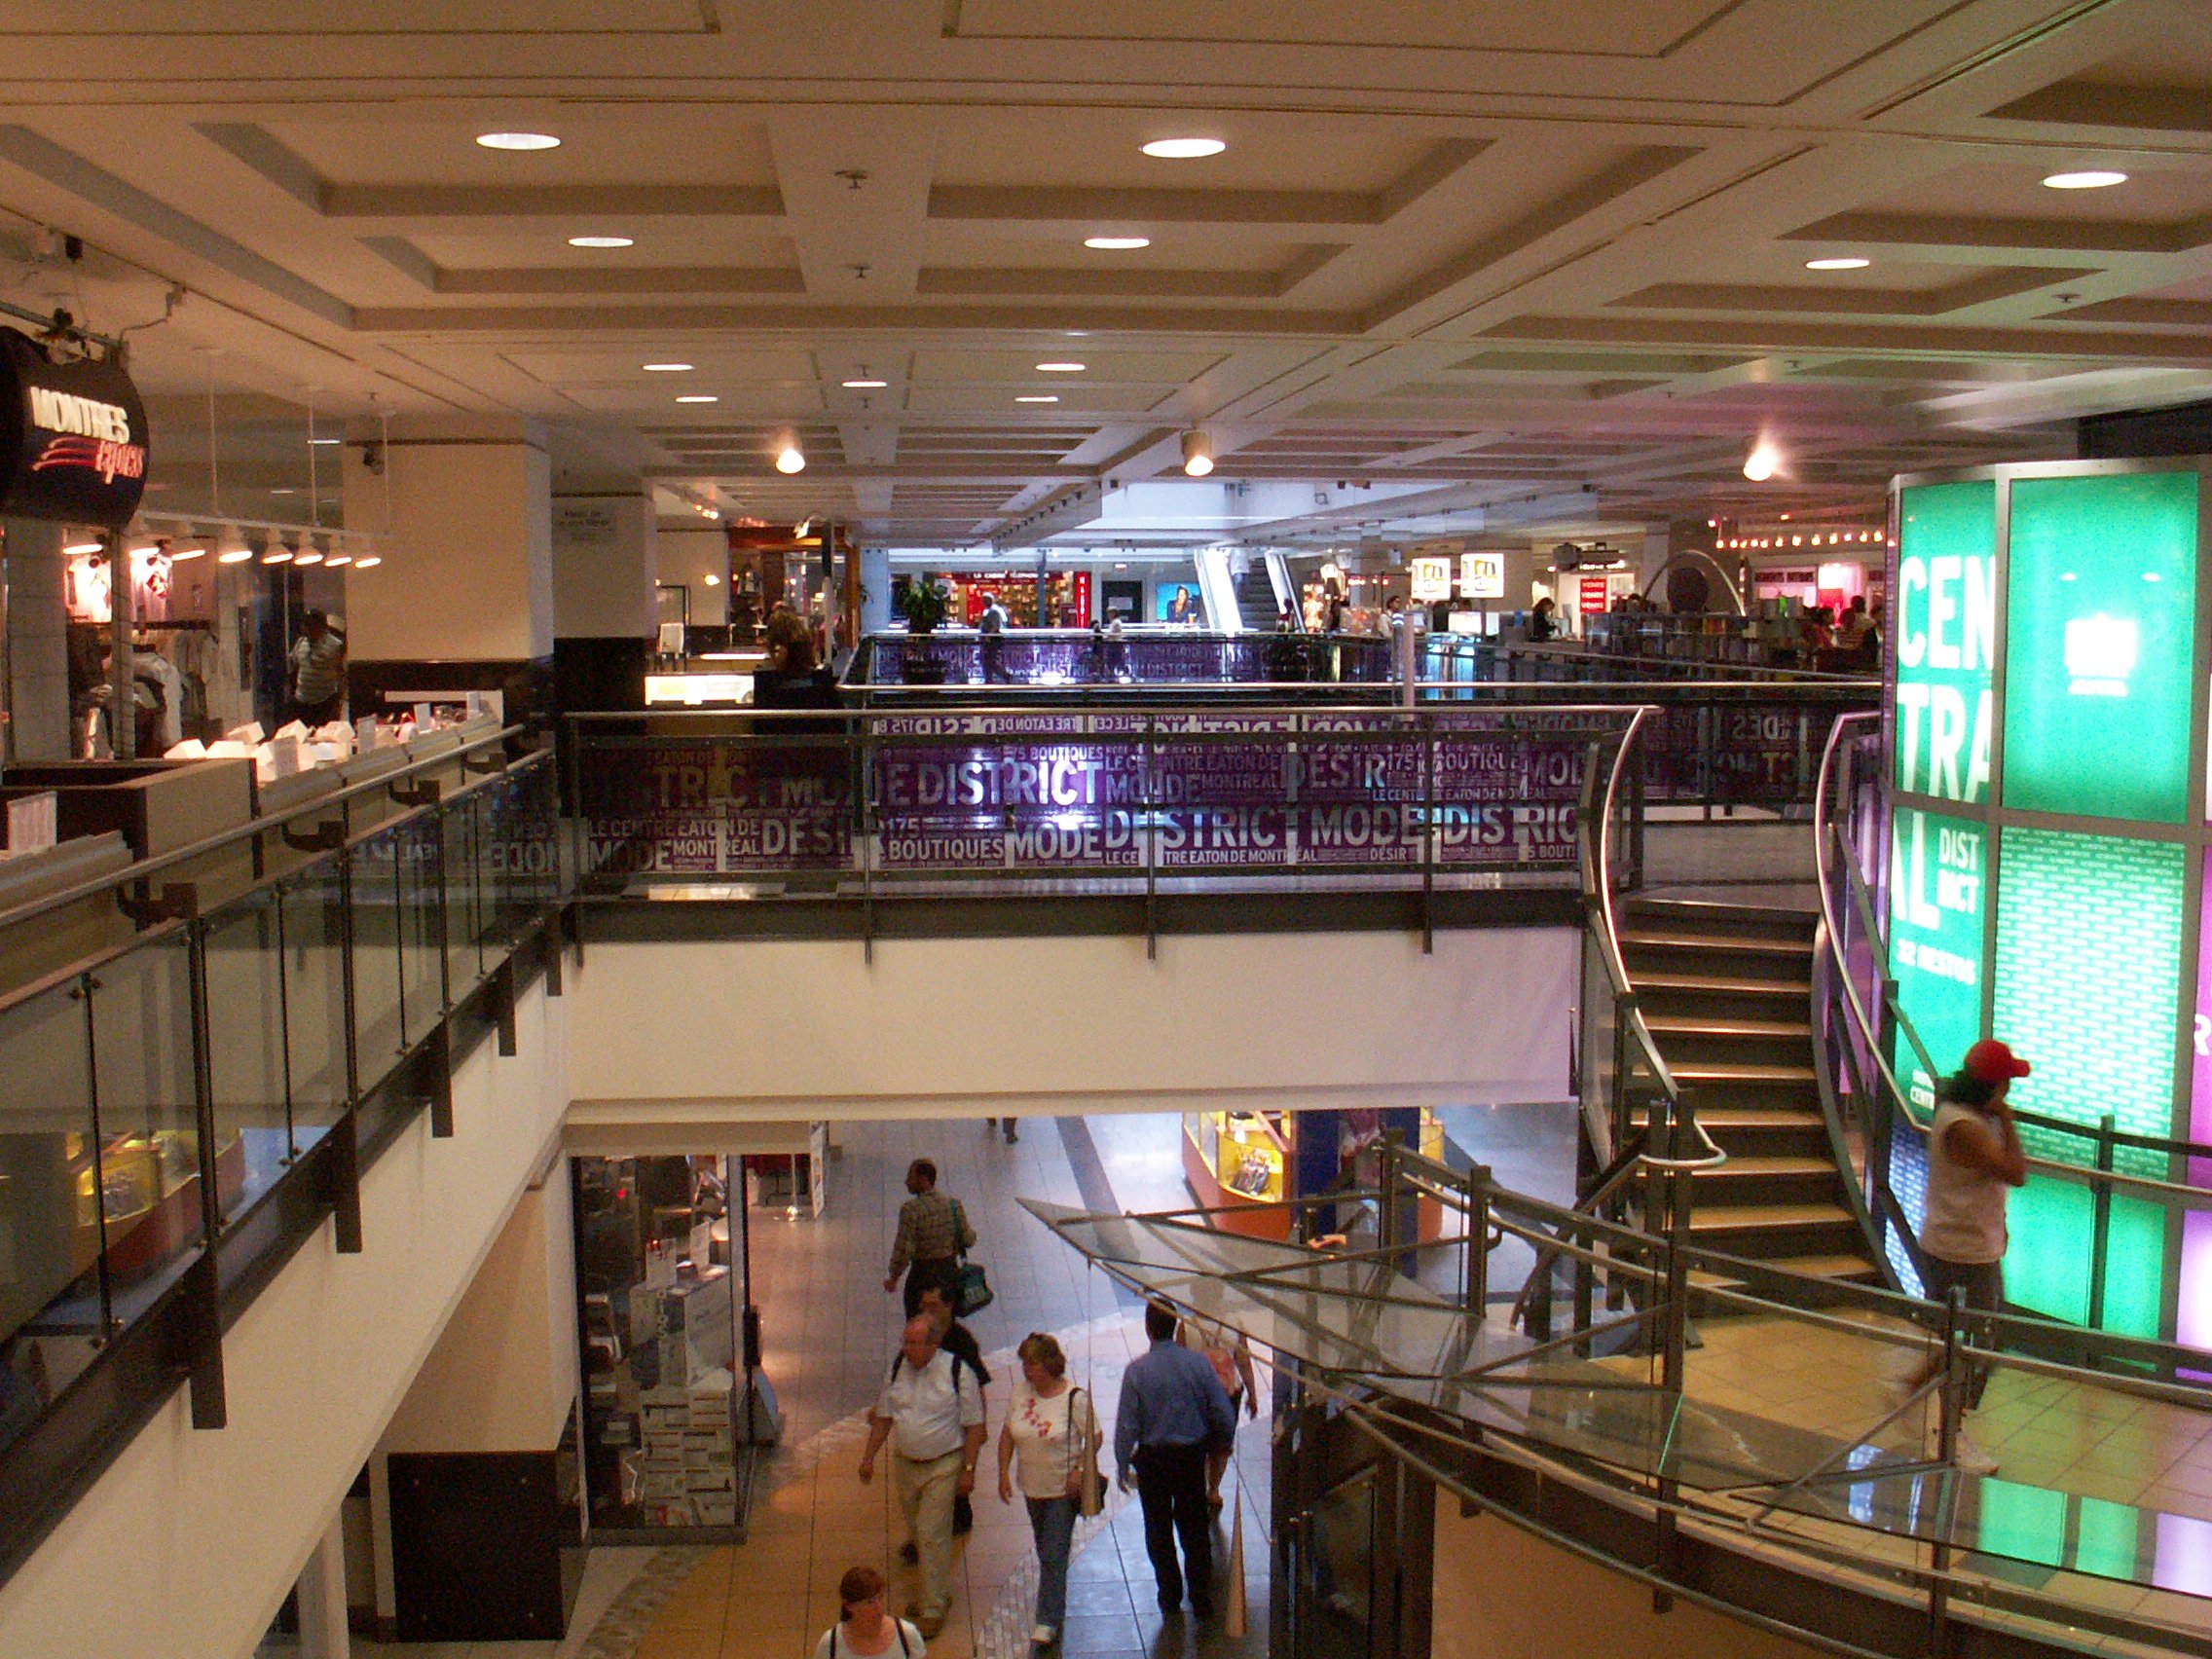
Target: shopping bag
[[1091, 1487], [971, 1291], [1233, 1610]]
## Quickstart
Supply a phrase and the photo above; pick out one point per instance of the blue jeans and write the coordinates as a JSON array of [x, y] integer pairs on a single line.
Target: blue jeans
[[1052, 1520]]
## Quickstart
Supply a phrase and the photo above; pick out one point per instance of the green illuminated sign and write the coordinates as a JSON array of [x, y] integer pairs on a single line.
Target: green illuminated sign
[[1946, 638], [2087, 977], [1938, 866], [2100, 625]]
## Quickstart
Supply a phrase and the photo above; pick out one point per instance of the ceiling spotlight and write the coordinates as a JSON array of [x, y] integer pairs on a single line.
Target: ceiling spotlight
[[1039, 397], [231, 548], [1197, 453], [367, 562], [81, 547], [1117, 245], [1850, 262], [518, 140], [698, 397], [336, 560], [277, 554], [2091, 179], [1183, 149], [710, 579], [668, 368], [308, 555], [863, 383], [178, 555], [1061, 368], [1762, 462], [790, 459], [603, 241]]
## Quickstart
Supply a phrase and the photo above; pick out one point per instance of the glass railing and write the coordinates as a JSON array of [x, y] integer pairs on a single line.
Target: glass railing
[[1155, 657], [164, 1103], [1835, 1435]]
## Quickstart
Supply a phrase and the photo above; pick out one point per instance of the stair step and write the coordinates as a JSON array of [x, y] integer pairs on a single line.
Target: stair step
[[1675, 981], [1841, 1266], [1709, 1025], [1721, 1118], [1710, 1071], [1704, 915], [1744, 1218], [1734, 943], [1745, 1169]]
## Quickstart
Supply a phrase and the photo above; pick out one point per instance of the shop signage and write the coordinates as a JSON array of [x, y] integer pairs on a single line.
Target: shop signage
[[1591, 596], [1938, 868], [1481, 575], [1945, 638], [72, 437], [1433, 580], [2100, 623]]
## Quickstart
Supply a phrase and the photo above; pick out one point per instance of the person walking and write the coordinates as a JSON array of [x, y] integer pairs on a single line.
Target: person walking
[[1974, 1161], [1231, 1357], [318, 673], [863, 1630], [991, 624], [1051, 1433], [1006, 1126], [1173, 1412], [934, 1421], [933, 1231], [958, 1340]]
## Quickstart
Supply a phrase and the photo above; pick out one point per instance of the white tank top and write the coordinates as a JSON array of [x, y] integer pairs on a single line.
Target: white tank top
[[1965, 1208]]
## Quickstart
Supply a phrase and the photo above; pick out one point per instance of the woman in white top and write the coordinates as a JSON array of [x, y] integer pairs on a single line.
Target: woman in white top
[[1051, 1433], [863, 1630]]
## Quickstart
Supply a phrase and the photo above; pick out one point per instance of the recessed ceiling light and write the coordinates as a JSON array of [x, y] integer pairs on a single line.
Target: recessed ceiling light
[[790, 459], [1039, 397], [1183, 149], [603, 241], [2089, 180], [1117, 245], [283, 489], [1060, 368], [867, 384], [1845, 263], [322, 443], [668, 368], [698, 397], [518, 140]]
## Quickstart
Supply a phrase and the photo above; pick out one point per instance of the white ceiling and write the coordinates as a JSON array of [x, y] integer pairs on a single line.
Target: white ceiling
[[1546, 261]]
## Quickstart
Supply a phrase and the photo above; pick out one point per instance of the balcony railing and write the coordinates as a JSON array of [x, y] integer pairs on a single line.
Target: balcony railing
[[181, 1110]]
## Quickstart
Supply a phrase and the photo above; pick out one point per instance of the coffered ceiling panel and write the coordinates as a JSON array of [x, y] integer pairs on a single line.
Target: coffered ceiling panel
[[1643, 30], [602, 146]]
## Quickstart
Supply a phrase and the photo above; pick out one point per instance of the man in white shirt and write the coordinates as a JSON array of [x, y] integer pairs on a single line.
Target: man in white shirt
[[932, 1413]]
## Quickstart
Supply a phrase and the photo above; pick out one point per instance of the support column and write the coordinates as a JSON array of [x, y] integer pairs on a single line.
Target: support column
[[38, 644], [603, 570], [323, 1633], [465, 597], [471, 1503]]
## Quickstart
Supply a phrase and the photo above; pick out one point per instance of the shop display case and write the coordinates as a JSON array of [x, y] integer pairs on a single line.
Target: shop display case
[[1244, 1162], [152, 1186]]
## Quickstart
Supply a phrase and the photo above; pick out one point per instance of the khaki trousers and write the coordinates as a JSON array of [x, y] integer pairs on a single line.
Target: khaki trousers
[[925, 1488]]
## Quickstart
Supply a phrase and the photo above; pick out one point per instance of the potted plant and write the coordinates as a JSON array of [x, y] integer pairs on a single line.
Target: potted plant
[[924, 604]]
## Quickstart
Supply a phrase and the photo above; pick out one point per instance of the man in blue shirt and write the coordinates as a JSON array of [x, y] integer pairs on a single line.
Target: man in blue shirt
[[1173, 1411]]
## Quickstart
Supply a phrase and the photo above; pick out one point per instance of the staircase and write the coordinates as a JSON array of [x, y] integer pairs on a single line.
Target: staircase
[[1256, 604], [1726, 990]]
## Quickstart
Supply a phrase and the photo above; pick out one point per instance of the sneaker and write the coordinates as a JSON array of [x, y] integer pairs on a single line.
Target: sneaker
[[1043, 1635]]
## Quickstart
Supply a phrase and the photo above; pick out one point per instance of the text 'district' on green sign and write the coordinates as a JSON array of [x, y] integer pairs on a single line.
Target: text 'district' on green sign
[[1946, 634], [1937, 876]]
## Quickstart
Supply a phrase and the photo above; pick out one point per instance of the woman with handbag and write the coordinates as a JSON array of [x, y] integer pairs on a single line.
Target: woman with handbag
[[1051, 1433]]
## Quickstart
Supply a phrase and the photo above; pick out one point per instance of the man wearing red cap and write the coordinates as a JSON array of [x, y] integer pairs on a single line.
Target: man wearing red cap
[[1975, 1161]]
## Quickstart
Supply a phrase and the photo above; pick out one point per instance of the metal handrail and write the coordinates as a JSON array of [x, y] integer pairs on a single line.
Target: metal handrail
[[142, 869], [1598, 888], [1886, 1077], [1629, 691]]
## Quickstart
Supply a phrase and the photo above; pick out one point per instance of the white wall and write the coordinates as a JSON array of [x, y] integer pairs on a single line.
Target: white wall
[[603, 566], [947, 1027], [689, 557], [188, 1543]]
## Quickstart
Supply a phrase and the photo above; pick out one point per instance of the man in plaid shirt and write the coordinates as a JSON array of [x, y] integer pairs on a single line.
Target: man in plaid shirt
[[933, 1231]]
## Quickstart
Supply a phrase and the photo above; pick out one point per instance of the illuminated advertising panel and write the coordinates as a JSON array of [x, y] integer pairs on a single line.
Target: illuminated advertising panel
[[1432, 580], [2088, 987], [1937, 879], [1946, 630], [1481, 575], [2100, 625]]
